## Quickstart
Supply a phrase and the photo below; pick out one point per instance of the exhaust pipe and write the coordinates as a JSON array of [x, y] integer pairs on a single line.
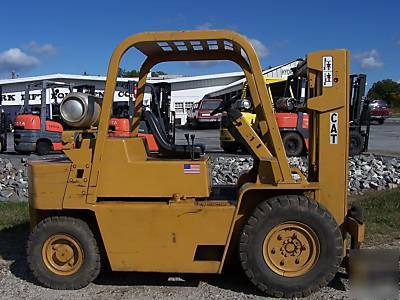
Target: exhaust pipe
[[80, 110]]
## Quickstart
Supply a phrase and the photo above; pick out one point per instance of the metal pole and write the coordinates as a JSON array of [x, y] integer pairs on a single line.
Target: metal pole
[[131, 88], [43, 109], [24, 107]]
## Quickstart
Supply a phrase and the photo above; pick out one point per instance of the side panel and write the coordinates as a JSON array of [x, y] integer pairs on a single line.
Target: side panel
[[53, 126], [163, 237], [47, 184], [130, 173]]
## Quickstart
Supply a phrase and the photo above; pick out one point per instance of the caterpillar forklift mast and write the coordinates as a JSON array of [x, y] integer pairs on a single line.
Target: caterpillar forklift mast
[[159, 213]]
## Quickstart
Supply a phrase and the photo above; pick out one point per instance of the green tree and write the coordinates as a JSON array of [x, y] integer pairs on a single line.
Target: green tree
[[125, 73], [158, 73], [135, 73], [387, 90]]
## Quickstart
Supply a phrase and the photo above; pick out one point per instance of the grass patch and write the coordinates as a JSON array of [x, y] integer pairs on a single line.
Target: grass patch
[[381, 210], [13, 213]]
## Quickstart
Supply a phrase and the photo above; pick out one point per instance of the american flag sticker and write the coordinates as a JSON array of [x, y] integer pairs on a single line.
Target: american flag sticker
[[191, 169]]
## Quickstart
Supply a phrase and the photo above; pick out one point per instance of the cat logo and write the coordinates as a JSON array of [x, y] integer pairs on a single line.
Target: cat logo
[[333, 131]]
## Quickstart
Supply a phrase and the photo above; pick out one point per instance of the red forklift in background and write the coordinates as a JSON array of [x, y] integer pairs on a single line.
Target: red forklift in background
[[120, 123], [38, 129], [293, 123], [35, 129], [288, 97]]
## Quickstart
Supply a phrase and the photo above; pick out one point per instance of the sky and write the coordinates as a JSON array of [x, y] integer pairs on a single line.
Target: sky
[[46, 37]]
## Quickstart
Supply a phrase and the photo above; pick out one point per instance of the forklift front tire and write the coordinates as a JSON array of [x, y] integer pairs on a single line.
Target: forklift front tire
[[356, 143], [63, 253], [293, 143], [290, 246], [43, 147]]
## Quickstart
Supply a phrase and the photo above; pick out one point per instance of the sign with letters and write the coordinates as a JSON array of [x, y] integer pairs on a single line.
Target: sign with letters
[[333, 128], [327, 71]]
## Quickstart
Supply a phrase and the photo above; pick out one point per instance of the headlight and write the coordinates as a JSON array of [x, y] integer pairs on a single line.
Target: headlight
[[244, 104]]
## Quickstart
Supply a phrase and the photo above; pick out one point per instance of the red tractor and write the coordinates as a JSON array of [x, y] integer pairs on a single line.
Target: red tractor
[[35, 130]]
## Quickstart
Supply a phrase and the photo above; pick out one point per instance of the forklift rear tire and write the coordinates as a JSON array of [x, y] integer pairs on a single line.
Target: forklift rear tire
[[356, 144], [43, 147], [293, 143], [63, 253], [290, 246]]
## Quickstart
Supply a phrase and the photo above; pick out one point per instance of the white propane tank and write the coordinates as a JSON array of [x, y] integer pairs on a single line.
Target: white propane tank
[[80, 110]]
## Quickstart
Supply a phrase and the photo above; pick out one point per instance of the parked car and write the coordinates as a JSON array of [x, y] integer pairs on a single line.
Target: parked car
[[379, 110], [200, 113]]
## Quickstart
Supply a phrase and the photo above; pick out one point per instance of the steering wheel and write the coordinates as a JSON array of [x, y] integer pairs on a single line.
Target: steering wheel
[[224, 105]]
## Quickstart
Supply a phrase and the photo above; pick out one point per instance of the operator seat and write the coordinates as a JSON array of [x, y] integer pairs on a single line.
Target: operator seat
[[167, 149]]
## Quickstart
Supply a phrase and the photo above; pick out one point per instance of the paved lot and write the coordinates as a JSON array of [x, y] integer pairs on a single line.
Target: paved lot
[[384, 139], [207, 136]]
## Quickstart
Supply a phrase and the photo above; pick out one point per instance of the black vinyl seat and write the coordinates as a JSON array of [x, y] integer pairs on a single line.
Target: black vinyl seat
[[165, 147]]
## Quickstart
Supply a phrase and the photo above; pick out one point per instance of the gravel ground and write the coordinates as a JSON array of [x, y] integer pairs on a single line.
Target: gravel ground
[[17, 282]]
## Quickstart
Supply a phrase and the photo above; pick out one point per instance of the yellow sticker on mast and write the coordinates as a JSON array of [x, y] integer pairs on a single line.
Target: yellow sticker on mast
[[327, 71], [333, 129]]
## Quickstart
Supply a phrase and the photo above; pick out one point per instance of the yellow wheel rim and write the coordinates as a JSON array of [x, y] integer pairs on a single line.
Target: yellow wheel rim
[[62, 254], [291, 249]]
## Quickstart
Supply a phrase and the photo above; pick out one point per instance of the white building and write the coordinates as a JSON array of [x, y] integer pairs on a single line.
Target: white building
[[184, 90], [232, 89]]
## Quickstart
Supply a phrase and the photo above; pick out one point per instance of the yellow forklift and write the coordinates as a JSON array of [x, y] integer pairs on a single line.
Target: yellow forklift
[[110, 201]]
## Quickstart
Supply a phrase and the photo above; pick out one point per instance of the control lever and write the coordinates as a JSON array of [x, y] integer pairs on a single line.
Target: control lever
[[187, 139], [192, 137]]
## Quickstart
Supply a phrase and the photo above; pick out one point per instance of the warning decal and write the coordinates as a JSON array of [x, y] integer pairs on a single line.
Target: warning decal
[[327, 71], [333, 129]]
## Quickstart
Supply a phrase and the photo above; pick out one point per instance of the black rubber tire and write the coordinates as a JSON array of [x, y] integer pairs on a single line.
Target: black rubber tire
[[293, 143], [81, 232], [43, 147], [231, 147], [381, 121], [356, 143], [278, 210]]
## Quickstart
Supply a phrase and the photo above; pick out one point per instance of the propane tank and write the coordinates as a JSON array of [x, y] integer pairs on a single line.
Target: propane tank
[[80, 110]]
